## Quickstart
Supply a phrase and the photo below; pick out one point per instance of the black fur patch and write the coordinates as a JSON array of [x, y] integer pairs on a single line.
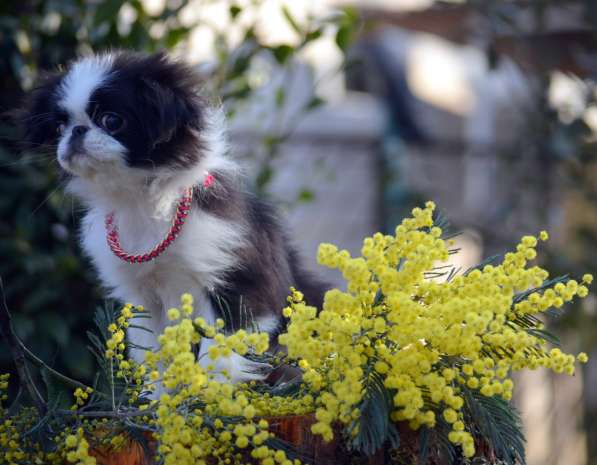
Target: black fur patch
[[268, 265], [40, 116], [158, 98]]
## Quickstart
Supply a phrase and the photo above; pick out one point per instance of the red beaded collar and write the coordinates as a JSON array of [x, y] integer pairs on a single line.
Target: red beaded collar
[[182, 211]]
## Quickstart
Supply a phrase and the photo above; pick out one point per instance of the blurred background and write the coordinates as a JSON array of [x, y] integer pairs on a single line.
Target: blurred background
[[346, 114]]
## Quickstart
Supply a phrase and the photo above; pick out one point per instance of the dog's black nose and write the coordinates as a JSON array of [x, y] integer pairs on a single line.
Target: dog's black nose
[[78, 131]]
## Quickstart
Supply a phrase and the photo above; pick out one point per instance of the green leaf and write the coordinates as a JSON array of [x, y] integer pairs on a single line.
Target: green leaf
[[240, 60], [54, 325], [488, 261], [224, 310], [107, 11], [280, 97], [313, 35], [59, 395], [282, 53], [290, 19], [176, 35], [234, 11], [305, 195], [240, 90], [545, 285], [270, 142], [80, 361], [497, 423], [375, 426], [544, 334], [344, 37], [351, 15], [104, 316], [139, 36], [441, 221], [314, 103], [264, 177], [97, 348]]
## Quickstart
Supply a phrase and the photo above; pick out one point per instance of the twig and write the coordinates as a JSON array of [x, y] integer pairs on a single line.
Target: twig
[[15, 403], [112, 383], [132, 424], [15, 343], [41, 364], [106, 413], [18, 355]]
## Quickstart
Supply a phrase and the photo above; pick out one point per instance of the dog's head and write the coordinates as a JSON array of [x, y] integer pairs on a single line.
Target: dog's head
[[123, 111]]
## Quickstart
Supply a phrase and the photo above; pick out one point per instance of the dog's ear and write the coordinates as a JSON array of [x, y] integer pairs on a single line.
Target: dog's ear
[[170, 94], [37, 117]]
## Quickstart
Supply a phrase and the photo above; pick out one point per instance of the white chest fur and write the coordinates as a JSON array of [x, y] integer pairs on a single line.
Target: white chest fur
[[194, 263]]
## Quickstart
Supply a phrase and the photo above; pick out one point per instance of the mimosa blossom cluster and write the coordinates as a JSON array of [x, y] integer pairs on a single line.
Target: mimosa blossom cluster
[[427, 339], [201, 414]]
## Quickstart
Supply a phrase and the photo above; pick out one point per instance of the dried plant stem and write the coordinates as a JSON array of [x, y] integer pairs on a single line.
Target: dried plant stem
[[106, 414], [41, 364], [18, 355]]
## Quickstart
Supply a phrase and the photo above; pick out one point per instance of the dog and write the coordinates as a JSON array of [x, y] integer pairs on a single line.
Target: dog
[[166, 207]]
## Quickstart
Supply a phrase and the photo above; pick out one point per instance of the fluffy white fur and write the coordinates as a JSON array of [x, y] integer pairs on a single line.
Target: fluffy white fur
[[144, 205], [83, 78]]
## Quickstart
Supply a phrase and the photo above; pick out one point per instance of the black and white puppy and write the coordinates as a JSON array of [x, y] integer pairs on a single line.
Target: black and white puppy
[[133, 135]]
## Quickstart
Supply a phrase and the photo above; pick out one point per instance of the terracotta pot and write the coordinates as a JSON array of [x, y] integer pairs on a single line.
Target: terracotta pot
[[296, 430], [129, 453]]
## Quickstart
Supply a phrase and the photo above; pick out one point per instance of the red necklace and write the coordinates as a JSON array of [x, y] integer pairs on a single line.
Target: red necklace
[[182, 211]]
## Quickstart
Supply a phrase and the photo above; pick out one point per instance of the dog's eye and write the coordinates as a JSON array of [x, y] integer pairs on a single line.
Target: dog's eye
[[111, 122], [60, 128]]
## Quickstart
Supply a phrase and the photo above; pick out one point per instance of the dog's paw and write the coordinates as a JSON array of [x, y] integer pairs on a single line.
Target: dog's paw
[[235, 369], [243, 370]]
